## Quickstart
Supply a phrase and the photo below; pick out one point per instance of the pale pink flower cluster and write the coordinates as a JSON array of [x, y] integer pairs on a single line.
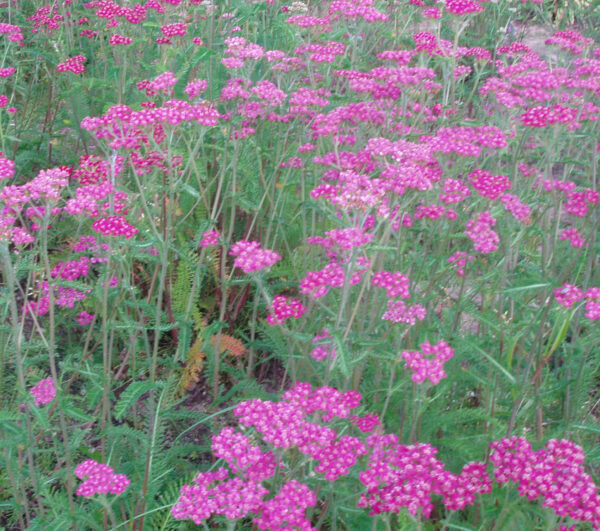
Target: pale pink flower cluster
[[282, 308], [323, 346], [429, 363], [7, 167], [454, 191], [194, 88], [592, 304], [43, 392], [250, 257], [479, 230], [84, 318], [554, 473], [568, 295], [459, 259], [317, 284], [573, 236], [400, 312], [396, 284], [99, 479], [210, 238], [513, 204]]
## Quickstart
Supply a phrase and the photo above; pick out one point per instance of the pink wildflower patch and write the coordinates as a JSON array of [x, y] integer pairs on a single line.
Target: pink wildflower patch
[[429, 363], [99, 479], [43, 392], [114, 226], [210, 238], [250, 257], [73, 64], [283, 308], [568, 295]]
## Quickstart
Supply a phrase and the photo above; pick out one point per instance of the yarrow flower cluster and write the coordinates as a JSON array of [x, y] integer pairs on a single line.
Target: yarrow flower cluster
[[323, 346], [479, 230], [429, 363], [99, 479], [283, 308], [73, 64], [250, 257], [43, 392], [554, 473], [210, 238]]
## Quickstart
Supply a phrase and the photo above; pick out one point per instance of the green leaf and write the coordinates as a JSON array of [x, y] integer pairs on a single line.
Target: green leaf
[[132, 395]]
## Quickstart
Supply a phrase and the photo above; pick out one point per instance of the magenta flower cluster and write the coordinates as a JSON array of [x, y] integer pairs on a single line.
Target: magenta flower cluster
[[400, 476], [99, 479], [429, 363], [554, 473], [282, 308], [250, 257], [43, 392]]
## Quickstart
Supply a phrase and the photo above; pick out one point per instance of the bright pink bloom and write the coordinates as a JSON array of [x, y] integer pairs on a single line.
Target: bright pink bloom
[[250, 257], [99, 479], [568, 295], [283, 308], [210, 238], [43, 392]]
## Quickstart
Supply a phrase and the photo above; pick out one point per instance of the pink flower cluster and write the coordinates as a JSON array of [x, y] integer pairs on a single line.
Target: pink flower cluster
[[554, 473], [243, 494], [176, 29], [459, 259], [569, 294], [117, 39], [317, 284], [463, 7], [323, 346], [43, 392], [210, 238], [7, 167], [488, 185], [283, 308], [250, 257], [430, 362], [400, 476], [396, 284], [114, 226], [400, 312], [99, 479], [479, 230], [73, 64]]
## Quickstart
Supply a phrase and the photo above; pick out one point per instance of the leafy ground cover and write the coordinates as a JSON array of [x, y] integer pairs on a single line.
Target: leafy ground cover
[[299, 265]]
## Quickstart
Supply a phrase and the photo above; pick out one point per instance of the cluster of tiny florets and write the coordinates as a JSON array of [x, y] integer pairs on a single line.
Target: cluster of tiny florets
[[250, 257], [99, 479]]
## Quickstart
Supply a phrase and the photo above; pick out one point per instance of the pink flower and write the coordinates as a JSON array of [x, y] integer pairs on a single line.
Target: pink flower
[[43, 392], [568, 295], [250, 257], [99, 479], [73, 64], [210, 238], [283, 308], [430, 362], [323, 346], [85, 318], [114, 226]]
